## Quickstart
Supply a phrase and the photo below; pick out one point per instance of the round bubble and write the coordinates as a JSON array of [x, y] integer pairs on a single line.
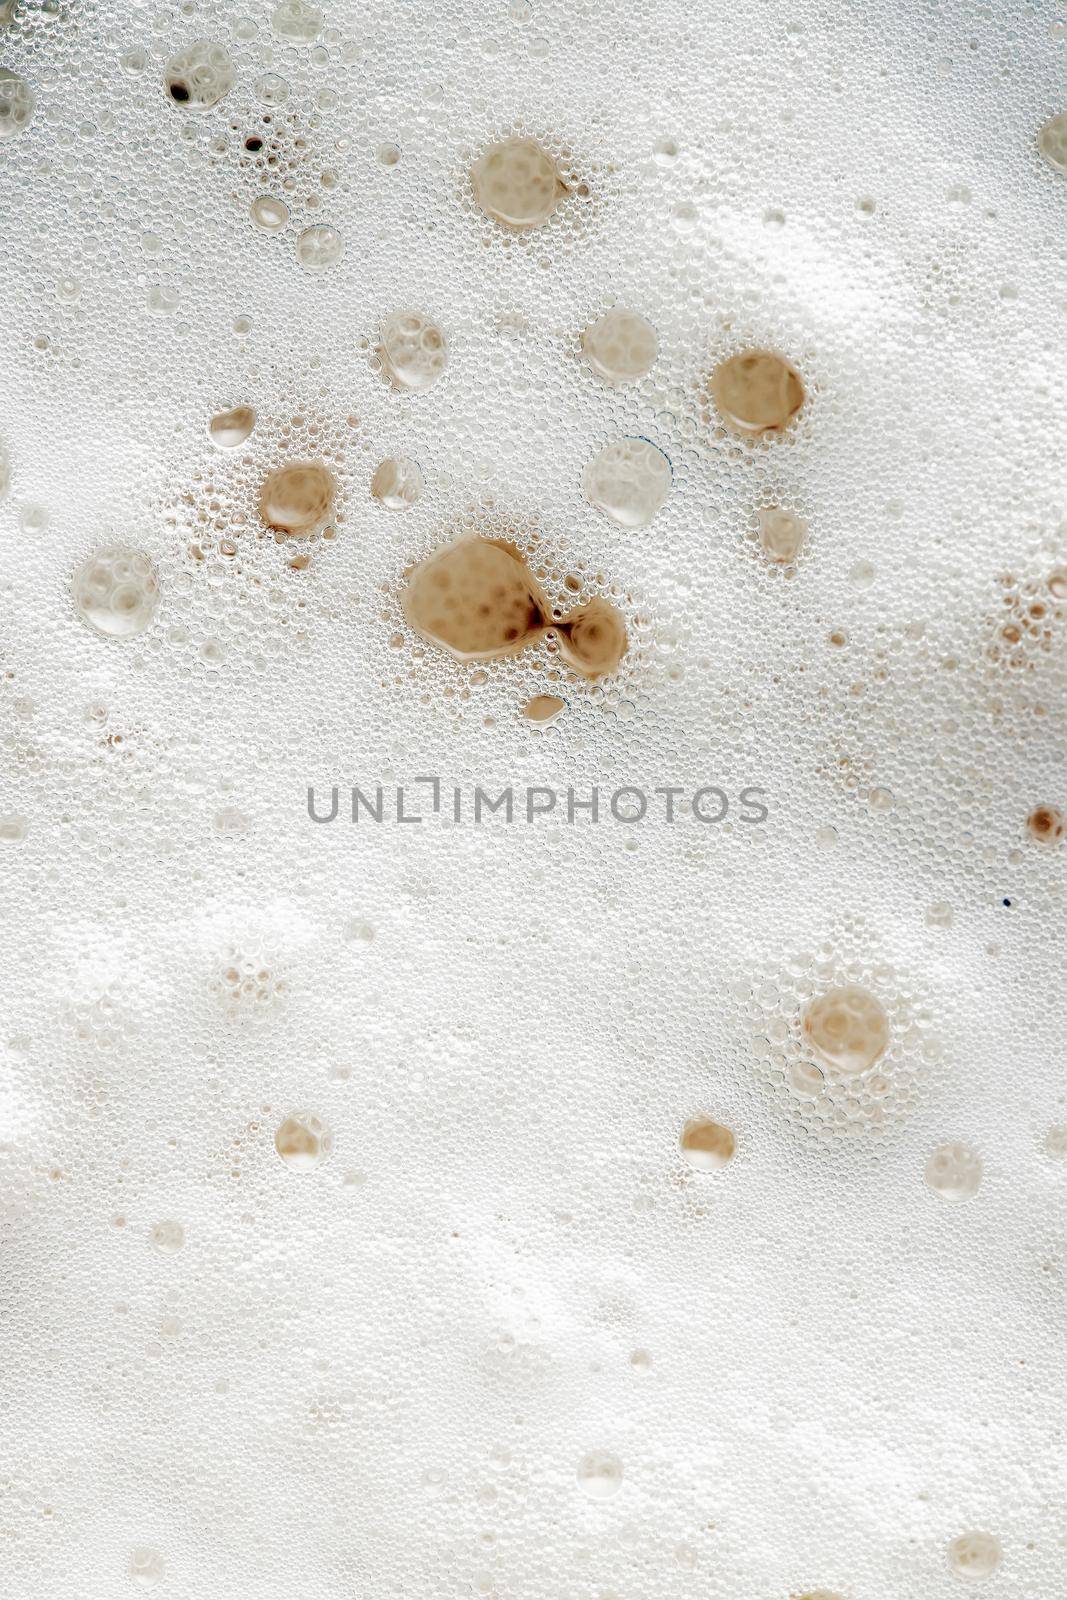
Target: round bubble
[[600, 1475], [974, 1556], [706, 1144], [228, 429], [847, 1029], [518, 183], [1052, 142], [397, 483], [620, 346], [116, 591], [757, 392], [954, 1172], [628, 481], [413, 350], [198, 77], [303, 1141], [269, 214], [781, 534], [296, 22], [319, 248], [298, 497]]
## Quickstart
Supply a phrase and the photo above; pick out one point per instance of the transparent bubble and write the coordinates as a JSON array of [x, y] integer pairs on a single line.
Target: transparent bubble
[[974, 1556], [303, 1141], [1056, 1142], [272, 90], [620, 346], [168, 1237], [781, 533], [389, 155], [197, 78], [116, 591], [939, 915], [706, 1144], [228, 429], [319, 248], [269, 214], [17, 104], [33, 520], [517, 183], [413, 350], [954, 1172], [600, 1475], [13, 828], [628, 481], [397, 483], [146, 1567], [296, 22]]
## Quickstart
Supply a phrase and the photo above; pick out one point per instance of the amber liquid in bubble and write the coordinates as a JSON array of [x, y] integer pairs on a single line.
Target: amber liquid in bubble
[[479, 600]]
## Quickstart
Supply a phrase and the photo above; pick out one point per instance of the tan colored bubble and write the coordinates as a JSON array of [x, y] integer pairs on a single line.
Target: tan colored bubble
[[1052, 142], [116, 591], [1046, 825], [303, 1141], [757, 392], [954, 1172], [228, 429], [476, 597], [628, 481], [197, 78], [974, 1556], [707, 1145], [543, 708], [781, 534], [298, 497], [592, 639], [517, 183], [413, 350], [479, 600], [620, 346], [847, 1029], [397, 483]]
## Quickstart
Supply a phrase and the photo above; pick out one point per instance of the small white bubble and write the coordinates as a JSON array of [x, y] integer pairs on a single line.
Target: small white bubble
[[974, 1556]]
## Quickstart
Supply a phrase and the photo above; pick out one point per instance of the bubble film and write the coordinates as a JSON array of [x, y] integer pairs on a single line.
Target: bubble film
[[656, 1190]]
